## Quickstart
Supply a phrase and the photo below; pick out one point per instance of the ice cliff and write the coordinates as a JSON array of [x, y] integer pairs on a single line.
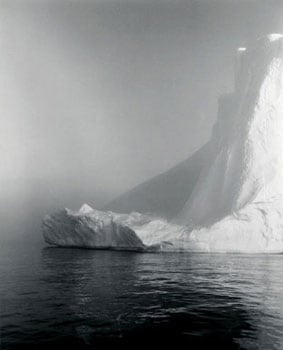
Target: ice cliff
[[227, 197]]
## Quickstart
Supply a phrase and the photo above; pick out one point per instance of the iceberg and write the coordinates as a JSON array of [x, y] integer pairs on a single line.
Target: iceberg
[[89, 228], [227, 197]]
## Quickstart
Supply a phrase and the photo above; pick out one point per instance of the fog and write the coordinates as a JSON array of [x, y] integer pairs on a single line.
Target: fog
[[98, 96]]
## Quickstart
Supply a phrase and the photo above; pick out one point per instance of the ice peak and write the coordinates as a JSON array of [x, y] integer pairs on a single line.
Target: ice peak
[[85, 209]]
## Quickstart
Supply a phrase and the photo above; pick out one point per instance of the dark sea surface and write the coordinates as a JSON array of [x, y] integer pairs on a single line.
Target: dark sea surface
[[86, 299]]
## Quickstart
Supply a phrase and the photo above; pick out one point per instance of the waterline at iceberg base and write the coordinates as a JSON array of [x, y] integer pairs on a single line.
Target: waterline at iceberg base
[[227, 197]]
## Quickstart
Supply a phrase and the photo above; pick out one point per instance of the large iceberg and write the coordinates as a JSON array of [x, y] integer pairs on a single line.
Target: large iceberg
[[227, 197]]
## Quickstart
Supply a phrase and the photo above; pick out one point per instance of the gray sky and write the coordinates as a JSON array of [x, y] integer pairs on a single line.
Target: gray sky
[[98, 96]]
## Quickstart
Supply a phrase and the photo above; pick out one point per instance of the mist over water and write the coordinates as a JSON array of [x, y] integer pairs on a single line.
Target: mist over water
[[84, 299]]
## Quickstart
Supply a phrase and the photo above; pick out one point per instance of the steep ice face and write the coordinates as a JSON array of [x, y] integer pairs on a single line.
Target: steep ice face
[[249, 165], [234, 200]]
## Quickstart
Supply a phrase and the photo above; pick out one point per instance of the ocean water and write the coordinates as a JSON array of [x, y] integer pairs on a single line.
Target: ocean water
[[87, 299]]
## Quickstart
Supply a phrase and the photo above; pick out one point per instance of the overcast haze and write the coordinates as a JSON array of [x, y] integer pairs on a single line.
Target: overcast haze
[[98, 96]]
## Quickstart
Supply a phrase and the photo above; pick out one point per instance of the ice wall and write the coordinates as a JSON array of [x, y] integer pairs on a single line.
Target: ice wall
[[249, 163]]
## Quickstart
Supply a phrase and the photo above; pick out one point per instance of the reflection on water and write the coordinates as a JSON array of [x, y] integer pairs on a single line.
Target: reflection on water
[[85, 299]]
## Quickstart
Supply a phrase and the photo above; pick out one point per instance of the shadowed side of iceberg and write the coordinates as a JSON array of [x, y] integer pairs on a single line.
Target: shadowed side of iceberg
[[89, 230], [165, 194]]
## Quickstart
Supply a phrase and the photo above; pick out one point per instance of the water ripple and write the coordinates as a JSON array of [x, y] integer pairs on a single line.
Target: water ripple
[[83, 298]]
